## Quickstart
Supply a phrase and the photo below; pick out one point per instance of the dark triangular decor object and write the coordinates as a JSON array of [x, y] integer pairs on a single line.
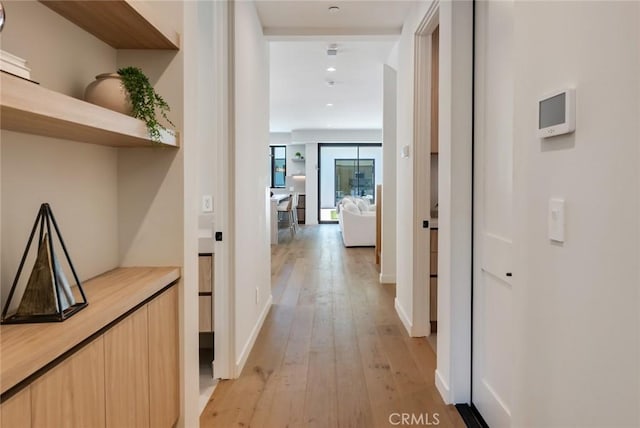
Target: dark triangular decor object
[[47, 296]]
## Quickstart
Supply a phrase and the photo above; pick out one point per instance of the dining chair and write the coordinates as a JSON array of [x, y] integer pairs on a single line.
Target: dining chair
[[286, 207]]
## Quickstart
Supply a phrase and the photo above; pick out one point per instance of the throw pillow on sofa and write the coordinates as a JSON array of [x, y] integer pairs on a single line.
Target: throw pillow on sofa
[[350, 207]]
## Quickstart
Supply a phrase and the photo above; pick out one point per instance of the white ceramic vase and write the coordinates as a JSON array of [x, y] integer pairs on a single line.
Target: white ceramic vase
[[108, 91]]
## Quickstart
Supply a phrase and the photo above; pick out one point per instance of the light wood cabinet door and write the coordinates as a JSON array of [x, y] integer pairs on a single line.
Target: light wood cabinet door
[[433, 263], [205, 314], [16, 411], [434, 240], [205, 277], [433, 299], [127, 372], [164, 397], [72, 394]]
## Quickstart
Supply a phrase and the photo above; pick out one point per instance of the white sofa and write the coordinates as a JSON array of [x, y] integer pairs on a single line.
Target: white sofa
[[357, 221]]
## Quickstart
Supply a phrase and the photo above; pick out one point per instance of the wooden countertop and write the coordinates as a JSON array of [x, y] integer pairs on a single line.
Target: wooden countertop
[[27, 348]]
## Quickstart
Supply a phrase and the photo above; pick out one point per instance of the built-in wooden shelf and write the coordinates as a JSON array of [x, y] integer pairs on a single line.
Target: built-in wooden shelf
[[28, 348], [123, 24], [30, 108]]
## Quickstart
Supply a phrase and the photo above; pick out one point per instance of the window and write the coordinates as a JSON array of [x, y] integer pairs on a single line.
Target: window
[[278, 165]]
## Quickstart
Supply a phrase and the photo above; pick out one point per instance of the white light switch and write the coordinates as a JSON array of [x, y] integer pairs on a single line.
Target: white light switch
[[404, 151], [556, 219], [207, 204]]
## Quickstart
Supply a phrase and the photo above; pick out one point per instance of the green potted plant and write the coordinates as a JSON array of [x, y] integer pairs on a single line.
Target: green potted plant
[[298, 155], [145, 101]]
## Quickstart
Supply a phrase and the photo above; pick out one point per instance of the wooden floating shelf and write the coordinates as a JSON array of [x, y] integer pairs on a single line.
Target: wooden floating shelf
[[30, 108], [123, 24], [27, 348]]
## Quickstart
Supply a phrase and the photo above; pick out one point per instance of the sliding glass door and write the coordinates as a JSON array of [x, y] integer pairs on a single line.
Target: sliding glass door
[[346, 170], [355, 177]]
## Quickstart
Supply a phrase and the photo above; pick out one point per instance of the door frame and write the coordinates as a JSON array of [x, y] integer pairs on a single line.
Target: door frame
[[224, 260], [422, 109], [455, 187]]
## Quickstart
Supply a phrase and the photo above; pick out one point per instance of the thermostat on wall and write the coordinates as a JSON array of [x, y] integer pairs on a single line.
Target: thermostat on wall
[[557, 113]]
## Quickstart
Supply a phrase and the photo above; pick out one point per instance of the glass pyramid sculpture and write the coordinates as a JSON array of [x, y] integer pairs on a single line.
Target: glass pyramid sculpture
[[48, 296]]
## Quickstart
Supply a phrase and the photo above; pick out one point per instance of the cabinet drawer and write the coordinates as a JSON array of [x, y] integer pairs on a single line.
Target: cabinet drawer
[[205, 314], [433, 299], [205, 274], [433, 263], [73, 393], [126, 359], [434, 241]]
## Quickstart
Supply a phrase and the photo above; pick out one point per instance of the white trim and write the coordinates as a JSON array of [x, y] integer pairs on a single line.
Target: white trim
[[422, 171], [246, 349], [403, 316], [224, 296], [387, 278], [188, 288], [443, 388], [454, 222]]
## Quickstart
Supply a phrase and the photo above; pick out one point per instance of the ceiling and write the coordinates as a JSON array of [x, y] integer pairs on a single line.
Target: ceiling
[[300, 32], [311, 17], [300, 92]]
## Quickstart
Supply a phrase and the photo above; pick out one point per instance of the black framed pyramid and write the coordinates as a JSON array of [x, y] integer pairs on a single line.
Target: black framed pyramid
[[48, 296]]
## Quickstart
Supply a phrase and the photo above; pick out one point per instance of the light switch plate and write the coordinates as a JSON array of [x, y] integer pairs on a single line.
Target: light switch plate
[[207, 204], [404, 151], [556, 220]]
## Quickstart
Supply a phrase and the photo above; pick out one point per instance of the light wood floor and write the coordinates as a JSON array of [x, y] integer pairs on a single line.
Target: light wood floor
[[332, 351]]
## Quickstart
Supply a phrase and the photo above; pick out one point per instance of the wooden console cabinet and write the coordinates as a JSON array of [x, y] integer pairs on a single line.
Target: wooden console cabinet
[[205, 292], [114, 364]]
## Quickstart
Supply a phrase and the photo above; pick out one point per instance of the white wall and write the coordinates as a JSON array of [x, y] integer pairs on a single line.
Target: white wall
[[389, 148], [329, 135], [578, 353], [279, 138], [311, 200], [404, 167], [454, 181], [293, 167], [252, 179], [206, 103], [84, 198]]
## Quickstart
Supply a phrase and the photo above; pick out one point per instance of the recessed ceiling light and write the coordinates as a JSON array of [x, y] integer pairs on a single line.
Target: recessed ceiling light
[[334, 9], [329, 105], [331, 69]]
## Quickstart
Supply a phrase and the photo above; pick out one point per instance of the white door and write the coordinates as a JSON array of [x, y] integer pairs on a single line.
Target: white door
[[492, 364]]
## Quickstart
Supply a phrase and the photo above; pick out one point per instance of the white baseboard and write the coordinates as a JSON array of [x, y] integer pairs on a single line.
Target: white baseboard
[[246, 350], [387, 278], [403, 316], [443, 388]]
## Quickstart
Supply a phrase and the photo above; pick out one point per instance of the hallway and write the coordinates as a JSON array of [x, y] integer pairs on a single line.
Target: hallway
[[332, 351]]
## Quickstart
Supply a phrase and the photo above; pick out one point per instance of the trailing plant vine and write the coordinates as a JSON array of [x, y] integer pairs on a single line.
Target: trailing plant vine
[[145, 100]]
